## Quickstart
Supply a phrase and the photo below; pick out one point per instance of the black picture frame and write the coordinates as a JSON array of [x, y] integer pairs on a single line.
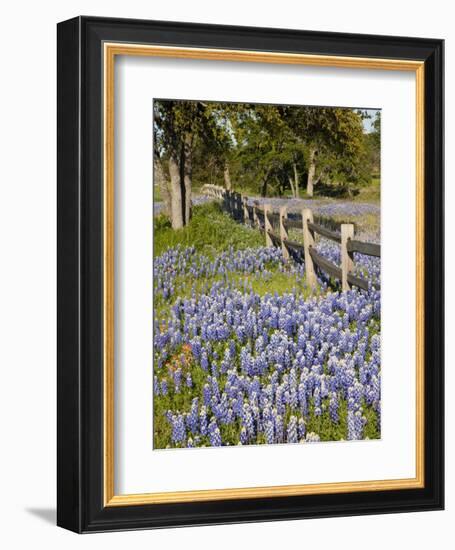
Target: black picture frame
[[80, 474]]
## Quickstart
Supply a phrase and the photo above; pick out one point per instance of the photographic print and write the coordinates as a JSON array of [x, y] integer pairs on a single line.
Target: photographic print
[[228, 220], [267, 301]]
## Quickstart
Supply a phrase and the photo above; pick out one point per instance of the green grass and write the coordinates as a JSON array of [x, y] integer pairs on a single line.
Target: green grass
[[209, 231], [157, 194], [275, 281], [370, 193]]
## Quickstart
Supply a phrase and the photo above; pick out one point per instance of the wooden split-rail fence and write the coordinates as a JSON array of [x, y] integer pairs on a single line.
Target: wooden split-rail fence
[[276, 225]]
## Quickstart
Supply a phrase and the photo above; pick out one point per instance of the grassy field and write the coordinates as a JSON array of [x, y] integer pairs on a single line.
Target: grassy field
[[210, 231], [370, 193]]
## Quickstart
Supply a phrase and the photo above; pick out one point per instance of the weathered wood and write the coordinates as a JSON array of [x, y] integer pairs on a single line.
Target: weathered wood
[[267, 225], [260, 213], [325, 265], [255, 216], [293, 223], [283, 232], [239, 206], [293, 245], [357, 281], [276, 239], [321, 230], [370, 249], [274, 218], [246, 213], [347, 257], [308, 242]]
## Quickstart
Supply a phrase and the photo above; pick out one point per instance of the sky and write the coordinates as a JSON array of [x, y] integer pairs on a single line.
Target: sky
[[368, 122]]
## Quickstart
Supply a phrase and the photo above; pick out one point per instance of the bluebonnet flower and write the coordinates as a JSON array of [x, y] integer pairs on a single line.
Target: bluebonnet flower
[[303, 402], [352, 425], [333, 407], [301, 429], [292, 430], [203, 421], [156, 386], [204, 360], [177, 380], [248, 421], [243, 436], [207, 395], [269, 435], [279, 428], [192, 418], [178, 429], [214, 434]]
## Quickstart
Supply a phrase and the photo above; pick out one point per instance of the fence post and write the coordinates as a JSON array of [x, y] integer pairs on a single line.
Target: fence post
[[308, 242], [246, 215], [255, 217], [347, 258], [267, 225], [238, 207], [283, 232]]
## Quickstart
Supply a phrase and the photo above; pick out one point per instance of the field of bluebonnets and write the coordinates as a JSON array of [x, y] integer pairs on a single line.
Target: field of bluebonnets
[[245, 353]]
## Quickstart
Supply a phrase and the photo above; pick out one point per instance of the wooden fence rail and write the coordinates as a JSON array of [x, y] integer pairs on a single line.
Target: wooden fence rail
[[267, 221], [325, 232], [294, 223], [370, 249]]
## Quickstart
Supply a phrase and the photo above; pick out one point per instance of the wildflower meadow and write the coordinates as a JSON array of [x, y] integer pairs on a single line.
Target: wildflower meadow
[[246, 354], [246, 351]]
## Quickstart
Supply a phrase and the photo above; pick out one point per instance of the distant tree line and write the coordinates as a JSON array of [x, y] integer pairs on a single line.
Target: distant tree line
[[259, 149]]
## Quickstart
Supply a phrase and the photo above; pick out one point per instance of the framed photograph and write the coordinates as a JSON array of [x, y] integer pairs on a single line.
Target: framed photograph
[[250, 274]]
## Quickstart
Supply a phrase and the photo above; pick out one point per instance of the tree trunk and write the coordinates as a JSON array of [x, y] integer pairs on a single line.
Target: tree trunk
[[311, 173], [163, 185], [281, 180], [176, 194], [264, 186], [291, 183], [227, 177], [296, 181], [187, 175]]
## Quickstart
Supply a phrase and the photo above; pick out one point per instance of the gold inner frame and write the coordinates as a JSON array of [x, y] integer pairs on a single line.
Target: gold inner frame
[[110, 51]]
